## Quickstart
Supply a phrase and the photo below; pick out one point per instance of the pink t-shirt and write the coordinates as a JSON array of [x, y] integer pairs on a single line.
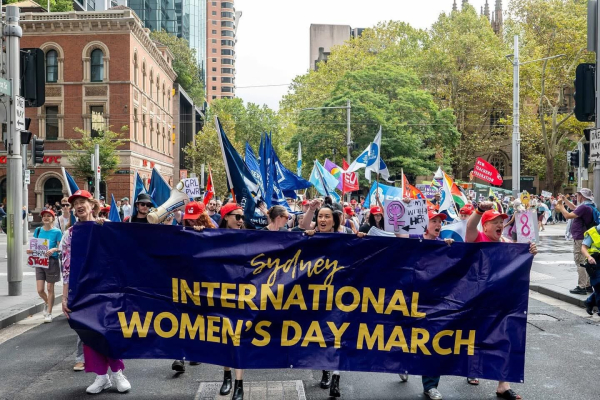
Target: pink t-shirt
[[481, 237]]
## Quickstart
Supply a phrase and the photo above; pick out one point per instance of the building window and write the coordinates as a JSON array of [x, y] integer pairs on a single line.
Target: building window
[[227, 42], [226, 4], [97, 120], [226, 14], [227, 52], [214, 3], [227, 70], [214, 69], [144, 78], [51, 122], [214, 41], [135, 69], [53, 190], [135, 125], [144, 129], [51, 66], [227, 33], [214, 22], [226, 61], [225, 79], [214, 50], [499, 162], [214, 97], [214, 31], [214, 13], [214, 78], [226, 89], [214, 60], [228, 24], [214, 88], [97, 66]]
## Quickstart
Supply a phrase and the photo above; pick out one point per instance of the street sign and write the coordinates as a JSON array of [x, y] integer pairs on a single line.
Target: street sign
[[594, 144], [5, 87], [27, 177], [98, 170], [19, 113]]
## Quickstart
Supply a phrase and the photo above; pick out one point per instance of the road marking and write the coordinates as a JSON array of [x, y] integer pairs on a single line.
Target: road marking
[[266, 390], [554, 262], [24, 273], [21, 327], [573, 309], [538, 276]]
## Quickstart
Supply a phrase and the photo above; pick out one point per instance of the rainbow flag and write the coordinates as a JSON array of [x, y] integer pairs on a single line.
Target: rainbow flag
[[336, 171]]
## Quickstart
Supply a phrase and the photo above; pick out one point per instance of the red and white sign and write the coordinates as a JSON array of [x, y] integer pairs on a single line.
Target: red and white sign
[[47, 159], [350, 179], [37, 254], [486, 172]]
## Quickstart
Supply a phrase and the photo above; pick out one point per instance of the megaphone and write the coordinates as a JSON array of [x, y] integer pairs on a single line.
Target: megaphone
[[177, 201]]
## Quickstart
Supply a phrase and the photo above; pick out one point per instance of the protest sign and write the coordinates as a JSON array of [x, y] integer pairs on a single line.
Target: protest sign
[[526, 224], [37, 257], [258, 300], [486, 172], [405, 218], [191, 187], [546, 194], [427, 190], [386, 192]]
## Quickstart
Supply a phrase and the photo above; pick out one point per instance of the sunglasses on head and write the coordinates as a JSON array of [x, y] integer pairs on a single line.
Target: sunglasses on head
[[237, 216]]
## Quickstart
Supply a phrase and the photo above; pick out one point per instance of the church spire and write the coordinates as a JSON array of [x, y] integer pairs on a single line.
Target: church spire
[[486, 10], [454, 8], [464, 3]]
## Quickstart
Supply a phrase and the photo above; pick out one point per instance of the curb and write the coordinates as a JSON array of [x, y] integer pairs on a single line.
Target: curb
[[560, 296], [21, 315]]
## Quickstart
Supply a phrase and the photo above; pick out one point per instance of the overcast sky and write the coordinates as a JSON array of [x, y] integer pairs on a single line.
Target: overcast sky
[[273, 35]]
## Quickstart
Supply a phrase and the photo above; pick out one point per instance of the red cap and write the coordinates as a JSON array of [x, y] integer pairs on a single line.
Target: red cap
[[467, 209], [48, 212], [105, 209], [304, 202], [80, 193], [353, 201], [432, 214], [375, 210], [490, 215], [229, 207], [349, 210], [193, 209]]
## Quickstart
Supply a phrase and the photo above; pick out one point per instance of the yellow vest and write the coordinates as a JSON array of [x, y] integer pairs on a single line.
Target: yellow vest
[[593, 233]]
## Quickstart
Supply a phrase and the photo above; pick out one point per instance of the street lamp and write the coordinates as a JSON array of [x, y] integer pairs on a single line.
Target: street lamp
[[516, 136], [348, 139]]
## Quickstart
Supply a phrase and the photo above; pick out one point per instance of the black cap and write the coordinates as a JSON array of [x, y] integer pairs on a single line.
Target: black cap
[[143, 197]]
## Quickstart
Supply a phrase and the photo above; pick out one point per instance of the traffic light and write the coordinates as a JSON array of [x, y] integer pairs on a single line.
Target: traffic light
[[38, 150], [585, 92], [90, 181], [33, 79], [574, 161], [571, 177], [26, 134]]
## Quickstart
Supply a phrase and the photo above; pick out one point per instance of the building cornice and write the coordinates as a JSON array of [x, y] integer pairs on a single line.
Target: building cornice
[[103, 22]]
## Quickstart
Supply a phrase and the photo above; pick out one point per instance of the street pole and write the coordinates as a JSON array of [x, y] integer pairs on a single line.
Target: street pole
[[14, 205], [597, 45], [25, 195], [516, 139], [348, 142], [580, 166], [97, 171]]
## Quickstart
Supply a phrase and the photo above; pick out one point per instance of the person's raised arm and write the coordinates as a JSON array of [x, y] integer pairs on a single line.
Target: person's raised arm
[[308, 216], [474, 220]]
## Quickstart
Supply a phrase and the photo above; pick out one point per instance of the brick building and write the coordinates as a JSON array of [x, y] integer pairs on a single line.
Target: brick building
[[102, 69]]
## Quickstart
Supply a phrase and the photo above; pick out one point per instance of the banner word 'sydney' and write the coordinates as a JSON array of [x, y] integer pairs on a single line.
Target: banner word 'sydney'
[[257, 299]]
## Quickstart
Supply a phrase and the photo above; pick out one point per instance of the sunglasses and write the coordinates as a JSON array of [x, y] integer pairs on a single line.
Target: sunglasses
[[65, 205], [238, 217], [145, 204]]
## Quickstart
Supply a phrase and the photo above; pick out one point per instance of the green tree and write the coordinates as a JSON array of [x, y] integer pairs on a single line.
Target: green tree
[[81, 150], [55, 5], [185, 64], [241, 123], [548, 28]]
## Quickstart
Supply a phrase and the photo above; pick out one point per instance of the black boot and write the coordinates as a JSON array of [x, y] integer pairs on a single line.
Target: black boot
[[334, 389], [326, 379], [238, 390], [226, 386], [178, 365]]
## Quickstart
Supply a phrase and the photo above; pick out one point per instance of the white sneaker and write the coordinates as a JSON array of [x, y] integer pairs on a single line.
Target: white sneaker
[[403, 377], [433, 394], [123, 384], [45, 309], [47, 318], [102, 382]]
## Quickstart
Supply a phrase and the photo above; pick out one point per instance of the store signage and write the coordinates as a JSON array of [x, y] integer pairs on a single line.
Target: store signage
[[47, 159]]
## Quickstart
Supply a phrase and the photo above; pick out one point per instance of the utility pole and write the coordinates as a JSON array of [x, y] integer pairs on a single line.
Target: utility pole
[[25, 194], [13, 33], [595, 43], [348, 137], [516, 136], [580, 167], [97, 171]]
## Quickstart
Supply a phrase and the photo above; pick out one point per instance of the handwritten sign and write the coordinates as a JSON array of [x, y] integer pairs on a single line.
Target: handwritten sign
[[546, 194], [526, 225], [191, 187], [37, 258], [411, 218]]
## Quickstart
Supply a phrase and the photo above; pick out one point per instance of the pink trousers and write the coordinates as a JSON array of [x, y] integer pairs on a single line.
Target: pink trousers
[[99, 363]]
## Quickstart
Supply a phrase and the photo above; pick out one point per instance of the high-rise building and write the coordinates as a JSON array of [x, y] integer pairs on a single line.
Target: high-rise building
[[184, 18], [323, 37], [221, 30]]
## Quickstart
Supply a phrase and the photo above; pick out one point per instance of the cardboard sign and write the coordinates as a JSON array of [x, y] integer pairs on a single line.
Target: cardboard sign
[[38, 258], [400, 217], [191, 187], [546, 194], [526, 224]]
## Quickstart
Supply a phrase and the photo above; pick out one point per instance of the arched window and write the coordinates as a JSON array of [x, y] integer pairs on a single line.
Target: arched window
[[499, 162], [53, 190], [144, 77], [135, 69], [97, 66], [51, 66]]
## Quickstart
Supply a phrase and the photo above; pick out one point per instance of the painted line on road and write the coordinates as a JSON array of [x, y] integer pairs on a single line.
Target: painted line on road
[[21, 327], [24, 274], [538, 276], [267, 390], [554, 262], [573, 309]]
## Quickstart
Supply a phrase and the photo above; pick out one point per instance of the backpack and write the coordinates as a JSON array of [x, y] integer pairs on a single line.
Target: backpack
[[596, 216]]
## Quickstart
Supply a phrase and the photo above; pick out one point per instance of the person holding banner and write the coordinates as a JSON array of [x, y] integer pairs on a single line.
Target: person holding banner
[[86, 207], [329, 221], [492, 222], [51, 274]]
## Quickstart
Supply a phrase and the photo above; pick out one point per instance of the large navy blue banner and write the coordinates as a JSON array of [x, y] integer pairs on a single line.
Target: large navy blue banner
[[260, 299]]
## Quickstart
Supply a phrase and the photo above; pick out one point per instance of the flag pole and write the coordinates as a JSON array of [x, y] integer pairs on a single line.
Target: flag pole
[[219, 134]]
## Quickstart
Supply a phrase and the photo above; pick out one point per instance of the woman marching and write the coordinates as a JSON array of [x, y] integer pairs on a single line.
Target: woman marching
[[329, 221], [232, 217], [278, 219], [85, 206]]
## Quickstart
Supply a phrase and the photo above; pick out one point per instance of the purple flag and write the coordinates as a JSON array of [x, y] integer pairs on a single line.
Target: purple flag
[[335, 171]]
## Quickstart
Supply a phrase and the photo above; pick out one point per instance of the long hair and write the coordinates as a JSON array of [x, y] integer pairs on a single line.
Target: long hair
[[276, 211], [95, 210], [336, 217], [374, 223], [206, 221]]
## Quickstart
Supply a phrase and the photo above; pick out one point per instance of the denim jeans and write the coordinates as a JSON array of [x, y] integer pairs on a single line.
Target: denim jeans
[[430, 382], [594, 299]]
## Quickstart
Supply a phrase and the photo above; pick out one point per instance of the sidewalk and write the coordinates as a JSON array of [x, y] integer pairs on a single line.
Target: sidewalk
[[17, 308]]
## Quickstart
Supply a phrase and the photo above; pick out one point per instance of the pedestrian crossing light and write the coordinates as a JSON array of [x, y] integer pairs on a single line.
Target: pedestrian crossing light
[[574, 161], [38, 150], [571, 177]]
